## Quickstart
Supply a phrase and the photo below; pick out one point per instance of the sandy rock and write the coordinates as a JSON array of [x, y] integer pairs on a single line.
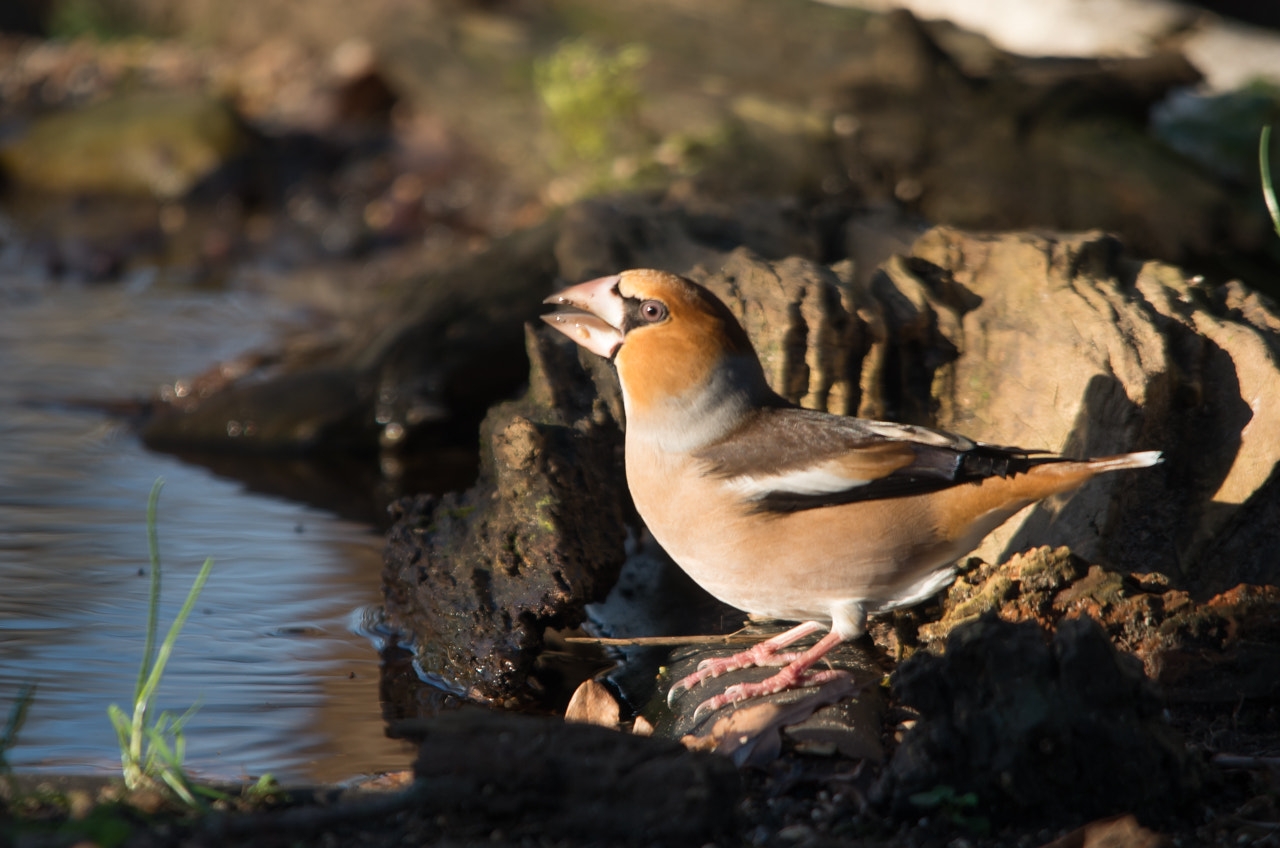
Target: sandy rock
[[1065, 344], [794, 312], [1060, 343]]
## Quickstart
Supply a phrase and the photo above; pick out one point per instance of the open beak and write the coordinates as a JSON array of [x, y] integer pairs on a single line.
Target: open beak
[[594, 317]]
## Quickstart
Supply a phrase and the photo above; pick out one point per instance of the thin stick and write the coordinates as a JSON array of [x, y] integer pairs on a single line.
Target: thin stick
[[1244, 761], [666, 641]]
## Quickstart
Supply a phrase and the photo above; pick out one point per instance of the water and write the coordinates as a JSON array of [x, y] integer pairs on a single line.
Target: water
[[284, 682]]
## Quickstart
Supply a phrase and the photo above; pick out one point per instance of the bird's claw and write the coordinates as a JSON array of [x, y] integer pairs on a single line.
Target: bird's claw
[[678, 687], [770, 686], [713, 667]]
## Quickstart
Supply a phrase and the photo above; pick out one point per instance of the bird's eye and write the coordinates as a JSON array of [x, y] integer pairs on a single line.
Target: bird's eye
[[653, 311]]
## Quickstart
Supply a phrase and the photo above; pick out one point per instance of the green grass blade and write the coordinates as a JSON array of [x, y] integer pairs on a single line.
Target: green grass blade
[[153, 600], [152, 751], [166, 647], [1268, 187], [13, 725]]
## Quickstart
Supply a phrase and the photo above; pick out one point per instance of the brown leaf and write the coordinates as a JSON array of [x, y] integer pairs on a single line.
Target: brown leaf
[[593, 703], [1115, 832]]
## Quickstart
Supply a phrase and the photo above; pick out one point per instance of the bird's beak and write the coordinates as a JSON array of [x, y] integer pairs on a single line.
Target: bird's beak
[[595, 315]]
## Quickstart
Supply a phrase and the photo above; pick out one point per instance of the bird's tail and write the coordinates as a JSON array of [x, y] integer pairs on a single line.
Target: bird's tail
[[1050, 476]]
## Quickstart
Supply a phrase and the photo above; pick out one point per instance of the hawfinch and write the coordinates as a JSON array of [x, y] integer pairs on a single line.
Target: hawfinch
[[781, 511]]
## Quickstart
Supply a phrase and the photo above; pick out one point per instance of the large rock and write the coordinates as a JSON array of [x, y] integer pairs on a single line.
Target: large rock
[[423, 370], [1044, 730], [1055, 342], [1066, 344], [1061, 343], [477, 576], [156, 144]]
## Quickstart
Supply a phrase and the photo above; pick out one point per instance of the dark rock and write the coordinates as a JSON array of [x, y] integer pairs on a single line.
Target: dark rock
[[1061, 729], [1031, 143], [476, 577], [1223, 649], [424, 372], [850, 723], [544, 779]]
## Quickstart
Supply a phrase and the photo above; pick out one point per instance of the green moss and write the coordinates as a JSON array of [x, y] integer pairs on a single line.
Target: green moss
[[101, 20], [542, 508], [592, 97]]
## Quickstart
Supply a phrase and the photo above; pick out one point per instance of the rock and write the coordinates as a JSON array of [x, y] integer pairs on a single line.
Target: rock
[[684, 231], [1031, 143], [424, 372], [794, 312], [1222, 649], [157, 144], [1045, 730], [476, 577], [845, 716], [1066, 344], [1062, 343], [541, 779], [594, 703]]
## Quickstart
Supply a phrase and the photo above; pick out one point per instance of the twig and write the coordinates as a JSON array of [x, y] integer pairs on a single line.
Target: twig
[[665, 641], [1243, 761]]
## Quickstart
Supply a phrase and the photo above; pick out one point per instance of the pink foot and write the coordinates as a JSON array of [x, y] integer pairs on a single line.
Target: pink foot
[[761, 654], [780, 682], [795, 673]]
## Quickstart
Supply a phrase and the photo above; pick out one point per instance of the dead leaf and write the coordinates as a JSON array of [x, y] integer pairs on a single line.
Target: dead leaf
[[1116, 832], [593, 703]]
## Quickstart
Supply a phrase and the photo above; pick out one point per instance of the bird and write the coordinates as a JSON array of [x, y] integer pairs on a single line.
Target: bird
[[780, 511]]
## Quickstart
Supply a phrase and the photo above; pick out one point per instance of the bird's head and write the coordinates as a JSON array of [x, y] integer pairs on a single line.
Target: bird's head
[[679, 351]]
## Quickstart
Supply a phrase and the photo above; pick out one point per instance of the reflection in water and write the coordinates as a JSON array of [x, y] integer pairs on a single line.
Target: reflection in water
[[284, 684]]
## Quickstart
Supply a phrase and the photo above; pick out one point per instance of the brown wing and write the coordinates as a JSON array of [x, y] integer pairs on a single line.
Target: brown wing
[[788, 459]]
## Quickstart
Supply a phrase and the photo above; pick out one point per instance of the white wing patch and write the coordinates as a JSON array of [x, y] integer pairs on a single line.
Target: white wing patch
[[921, 435], [824, 479]]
